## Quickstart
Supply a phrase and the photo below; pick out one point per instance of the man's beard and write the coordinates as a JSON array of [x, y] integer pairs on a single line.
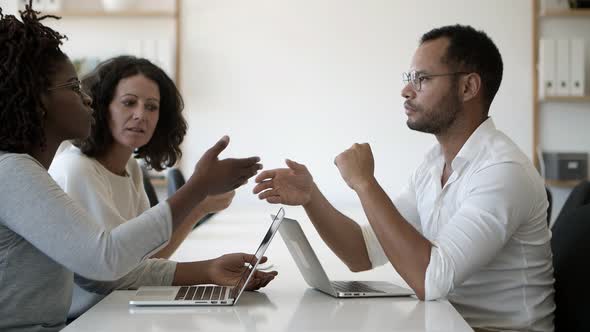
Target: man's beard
[[436, 121]]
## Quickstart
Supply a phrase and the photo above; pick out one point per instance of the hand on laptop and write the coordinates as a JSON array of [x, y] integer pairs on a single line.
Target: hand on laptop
[[289, 186], [228, 269]]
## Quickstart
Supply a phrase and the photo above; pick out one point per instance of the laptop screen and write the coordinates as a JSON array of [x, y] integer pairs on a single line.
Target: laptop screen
[[251, 267]]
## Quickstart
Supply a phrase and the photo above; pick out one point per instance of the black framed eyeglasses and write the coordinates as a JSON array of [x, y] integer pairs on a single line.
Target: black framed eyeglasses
[[76, 86], [416, 77]]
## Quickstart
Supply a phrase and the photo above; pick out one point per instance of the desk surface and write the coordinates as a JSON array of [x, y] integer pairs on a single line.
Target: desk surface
[[286, 304]]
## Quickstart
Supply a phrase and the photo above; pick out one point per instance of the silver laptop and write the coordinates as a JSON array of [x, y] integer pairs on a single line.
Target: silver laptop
[[206, 294], [315, 276]]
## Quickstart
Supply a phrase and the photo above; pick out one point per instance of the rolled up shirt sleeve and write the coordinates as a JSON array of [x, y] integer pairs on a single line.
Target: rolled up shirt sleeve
[[496, 202], [405, 203]]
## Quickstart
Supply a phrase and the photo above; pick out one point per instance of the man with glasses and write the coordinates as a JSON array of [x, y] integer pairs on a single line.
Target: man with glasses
[[471, 224]]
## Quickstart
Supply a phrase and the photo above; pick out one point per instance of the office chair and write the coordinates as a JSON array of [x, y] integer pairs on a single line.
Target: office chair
[[571, 256], [176, 180], [149, 188], [549, 207], [579, 196]]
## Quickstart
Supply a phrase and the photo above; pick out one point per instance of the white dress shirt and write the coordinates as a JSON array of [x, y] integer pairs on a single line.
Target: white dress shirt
[[491, 254]]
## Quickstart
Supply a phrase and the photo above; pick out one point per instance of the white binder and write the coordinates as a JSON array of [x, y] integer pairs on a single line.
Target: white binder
[[577, 69], [547, 70], [563, 67]]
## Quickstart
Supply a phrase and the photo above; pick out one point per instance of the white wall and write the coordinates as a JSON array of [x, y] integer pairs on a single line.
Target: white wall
[[304, 79], [8, 6]]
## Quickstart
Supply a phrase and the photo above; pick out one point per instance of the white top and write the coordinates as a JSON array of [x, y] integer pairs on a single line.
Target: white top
[[491, 256], [45, 236], [113, 200]]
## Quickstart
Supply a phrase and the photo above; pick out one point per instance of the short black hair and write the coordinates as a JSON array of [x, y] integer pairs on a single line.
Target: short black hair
[[472, 50], [163, 149], [29, 55]]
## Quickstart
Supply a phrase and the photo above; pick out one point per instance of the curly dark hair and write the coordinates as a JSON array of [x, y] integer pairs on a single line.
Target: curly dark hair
[[29, 55], [163, 149], [472, 50]]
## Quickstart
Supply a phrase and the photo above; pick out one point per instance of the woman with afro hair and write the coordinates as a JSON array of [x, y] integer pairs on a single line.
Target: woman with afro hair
[[45, 236]]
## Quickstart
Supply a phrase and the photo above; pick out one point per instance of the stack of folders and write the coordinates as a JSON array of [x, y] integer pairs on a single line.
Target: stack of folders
[[562, 67]]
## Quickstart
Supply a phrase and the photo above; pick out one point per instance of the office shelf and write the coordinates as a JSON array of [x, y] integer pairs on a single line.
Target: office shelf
[[159, 181], [566, 13], [114, 14], [130, 18], [556, 24], [575, 99], [562, 183]]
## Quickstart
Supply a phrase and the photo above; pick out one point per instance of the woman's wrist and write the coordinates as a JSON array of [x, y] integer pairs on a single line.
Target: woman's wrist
[[192, 273]]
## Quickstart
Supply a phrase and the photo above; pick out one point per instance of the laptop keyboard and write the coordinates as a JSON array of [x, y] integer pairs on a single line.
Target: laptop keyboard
[[203, 293], [353, 286]]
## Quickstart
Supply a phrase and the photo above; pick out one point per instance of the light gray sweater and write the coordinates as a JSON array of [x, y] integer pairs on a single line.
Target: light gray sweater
[[112, 200], [45, 237]]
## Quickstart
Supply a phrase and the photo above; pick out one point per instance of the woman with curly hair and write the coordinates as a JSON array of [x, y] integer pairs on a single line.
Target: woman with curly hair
[[137, 114], [45, 236]]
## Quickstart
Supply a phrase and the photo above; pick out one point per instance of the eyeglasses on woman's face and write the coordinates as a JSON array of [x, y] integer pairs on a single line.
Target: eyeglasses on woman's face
[[74, 85]]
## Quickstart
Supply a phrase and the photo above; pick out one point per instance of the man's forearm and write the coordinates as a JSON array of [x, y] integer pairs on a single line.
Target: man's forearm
[[341, 234], [407, 250]]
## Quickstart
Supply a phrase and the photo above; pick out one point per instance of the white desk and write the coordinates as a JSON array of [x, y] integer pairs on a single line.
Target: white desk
[[286, 304]]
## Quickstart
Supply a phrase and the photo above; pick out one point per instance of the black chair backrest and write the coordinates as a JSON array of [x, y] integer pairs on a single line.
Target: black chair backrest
[[550, 206], [579, 196], [175, 180], [570, 243], [149, 188]]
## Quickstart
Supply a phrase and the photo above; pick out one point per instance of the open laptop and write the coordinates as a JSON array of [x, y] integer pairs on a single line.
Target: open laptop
[[206, 294], [315, 276]]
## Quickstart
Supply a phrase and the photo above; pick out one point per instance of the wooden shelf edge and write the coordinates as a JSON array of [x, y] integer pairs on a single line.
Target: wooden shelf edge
[[562, 183], [582, 12], [565, 99], [158, 182], [104, 14]]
